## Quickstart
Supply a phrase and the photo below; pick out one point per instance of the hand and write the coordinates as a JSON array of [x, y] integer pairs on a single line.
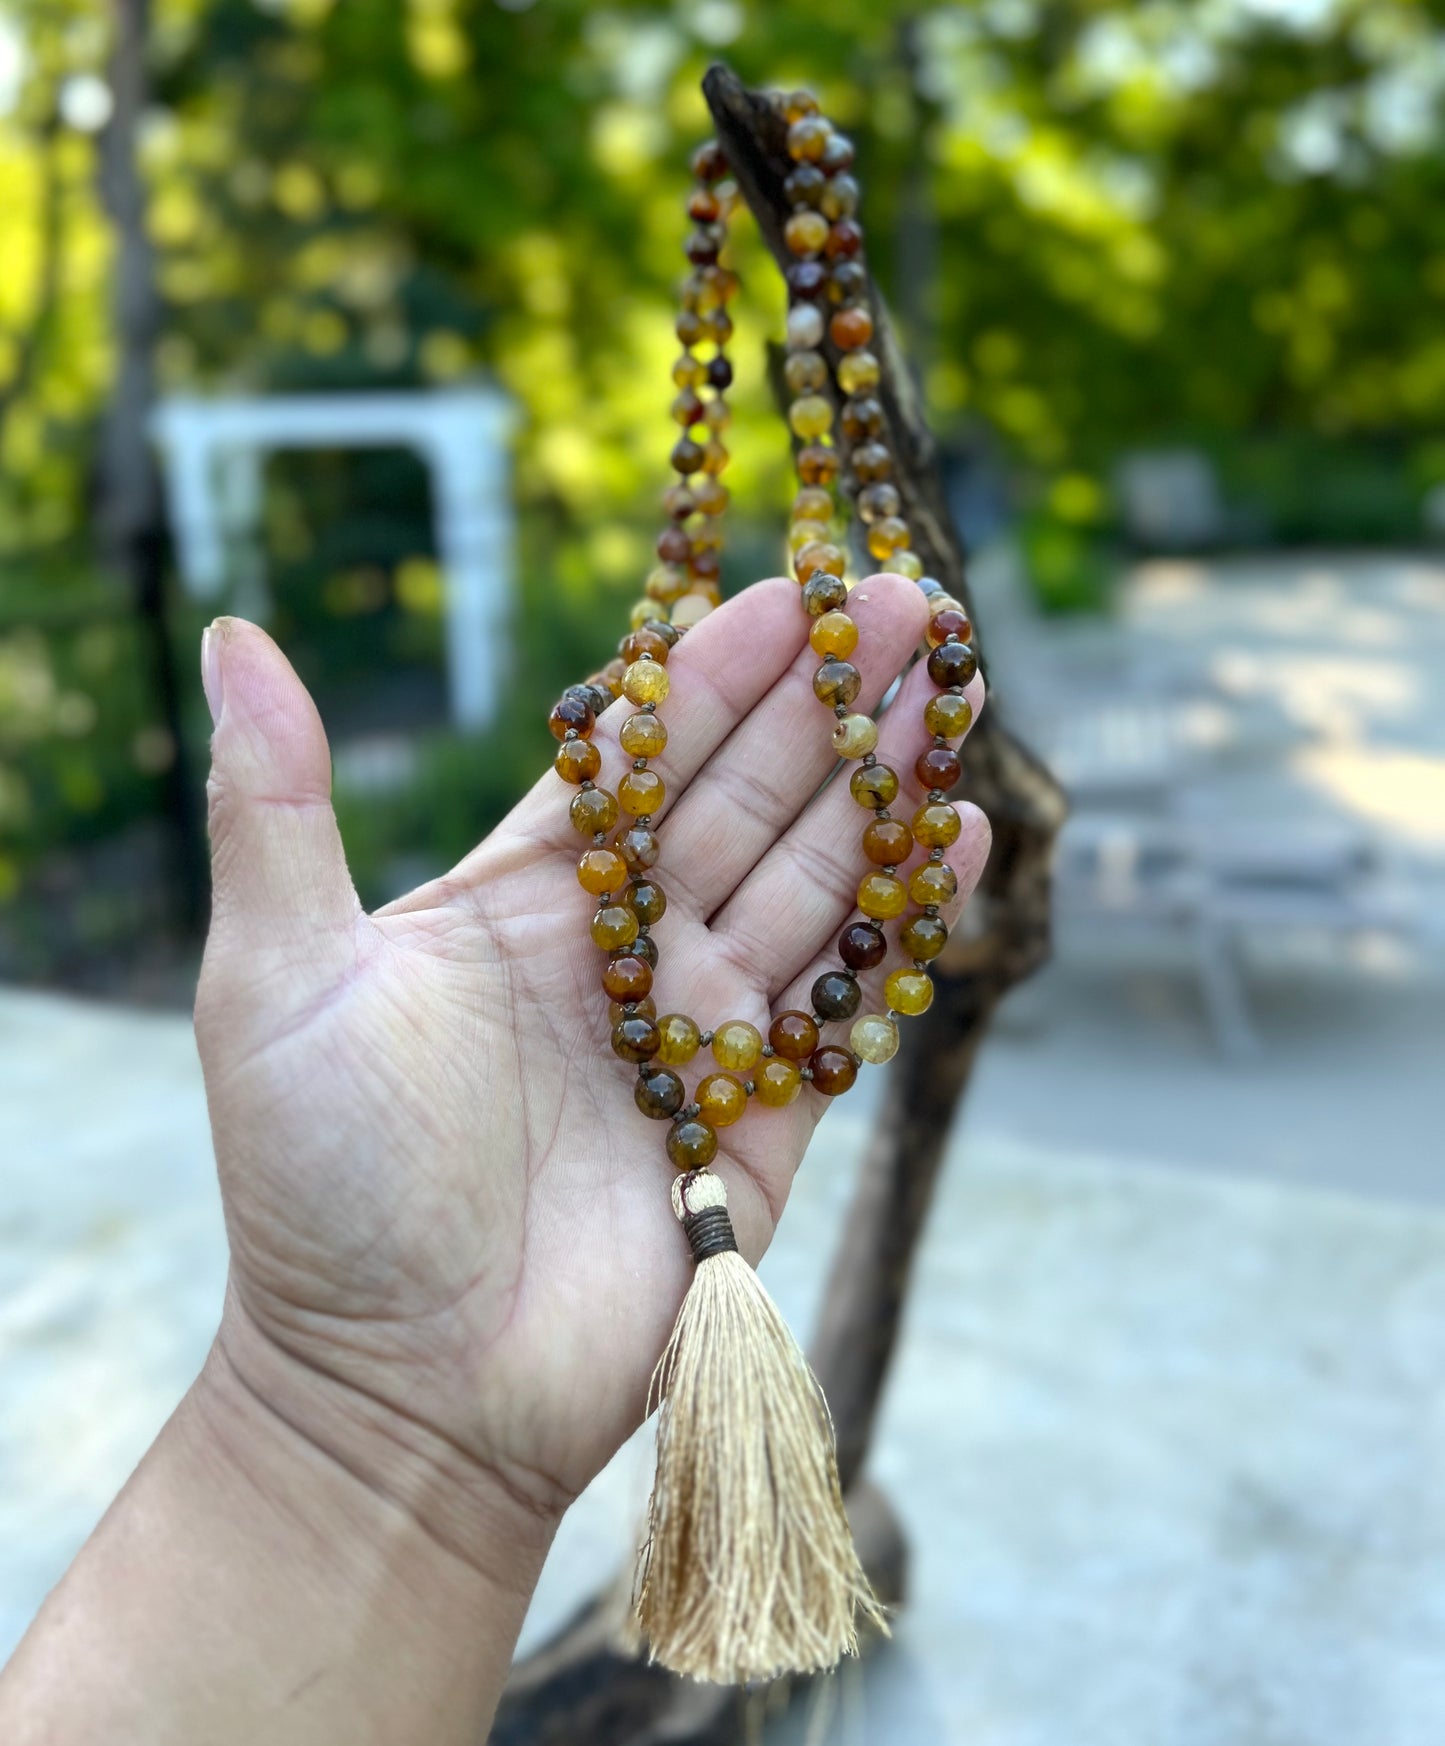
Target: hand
[[450, 1226]]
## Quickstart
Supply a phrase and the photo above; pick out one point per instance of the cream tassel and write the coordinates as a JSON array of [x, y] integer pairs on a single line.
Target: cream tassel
[[749, 1569]]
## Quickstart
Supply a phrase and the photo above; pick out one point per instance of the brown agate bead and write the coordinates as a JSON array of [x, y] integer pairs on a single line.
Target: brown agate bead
[[639, 848], [872, 462], [823, 593], [847, 281], [722, 1099], [834, 634], [647, 642], [873, 785], [938, 767], [909, 991], [643, 736], [614, 925], [850, 328], [818, 465], [691, 1144], [952, 664], [681, 1038], [804, 187], [793, 1035], [627, 977], [923, 936], [882, 896], [641, 792], [946, 624], [645, 947], [837, 682], [646, 899], [861, 418], [888, 842], [834, 1070], [878, 502], [933, 882], [936, 825], [947, 715], [593, 810], [835, 996], [617, 1010], [686, 456], [659, 1093], [635, 1038], [777, 1083], [737, 1045], [805, 233], [577, 761], [845, 238], [819, 556], [601, 870], [570, 714], [808, 138], [861, 945]]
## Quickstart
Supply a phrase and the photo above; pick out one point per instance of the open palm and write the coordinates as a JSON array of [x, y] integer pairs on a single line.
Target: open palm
[[445, 1210]]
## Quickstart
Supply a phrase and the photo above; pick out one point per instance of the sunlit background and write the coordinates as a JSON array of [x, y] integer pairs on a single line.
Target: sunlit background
[[355, 316]]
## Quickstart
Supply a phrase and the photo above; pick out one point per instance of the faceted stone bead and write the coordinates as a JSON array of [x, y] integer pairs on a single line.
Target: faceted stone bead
[[857, 372], [835, 996], [861, 945], [813, 503], [617, 1010], [923, 936], [641, 792], [680, 1039], [777, 1083], [577, 761], [691, 1144], [933, 882], [936, 825], [627, 977], [806, 232], [646, 682], [819, 555], [874, 1038], [822, 593], [646, 899], [601, 870], [938, 767], [722, 1099], [952, 664], [834, 1070], [877, 502], [805, 327], [888, 842], [851, 328], [947, 715], [737, 1045], [836, 682], [643, 736], [833, 634], [871, 462], [570, 714], [810, 416], [614, 925], [645, 642], [793, 1035], [593, 810], [805, 373], [807, 138], [909, 991], [659, 1093], [888, 536], [639, 848], [855, 736], [882, 895], [635, 1039], [845, 238], [906, 563], [874, 785], [817, 465], [948, 623]]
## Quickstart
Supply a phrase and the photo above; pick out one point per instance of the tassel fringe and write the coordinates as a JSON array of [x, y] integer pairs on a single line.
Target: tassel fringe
[[749, 1570]]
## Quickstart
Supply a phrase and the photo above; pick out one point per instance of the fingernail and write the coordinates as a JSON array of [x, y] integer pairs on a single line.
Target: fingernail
[[211, 670]]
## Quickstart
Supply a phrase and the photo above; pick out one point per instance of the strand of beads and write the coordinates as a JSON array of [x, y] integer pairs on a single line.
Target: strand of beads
[[830, 326]]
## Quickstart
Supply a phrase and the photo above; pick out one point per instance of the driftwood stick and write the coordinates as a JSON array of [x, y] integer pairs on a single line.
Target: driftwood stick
[[578, 1687]]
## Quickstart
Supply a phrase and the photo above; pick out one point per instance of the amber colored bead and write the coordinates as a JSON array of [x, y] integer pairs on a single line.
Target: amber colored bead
[[643, 736], [882, 895], [947, 715], [840, 200], [837, 682], [691, 1144], [646, 899], [722, 1099], [805, 233], [874, 1038], [906, 563], [858, 371], [872, 462], [793, 1035], [614, 925], [644, 642], [807, 138], [938, 767], [627, 978], [909, 991], [874, 785], [679, 1037], [805, 372], [686, 456], [716, 414], [813, 503], [845, 238], [804, 185], [617, 1010], [638, 847], [834, 1070], [835, 996], [688, 327], [936, 825], [704, 245], [878, 502], [833, 634], [664, 584], [811, 416], [854, 736], [819, 555], [807, 532], [641, 792], [601, 870], [646, 682], [888, 842], [933, 882], [702, 205], [847, 281], [862, 419], [850, 328], [888, 536], [817, 465], [712, 496], [737, 1045], [948, 623], [714, 458], [635, 1039], [659, 1093], [777, 1083], [822, 593], [799, 103], [862, 946], [593, 810], [570, 715], [709, 162], [577, 761], [923, 936], [687, 410], [952, 664]]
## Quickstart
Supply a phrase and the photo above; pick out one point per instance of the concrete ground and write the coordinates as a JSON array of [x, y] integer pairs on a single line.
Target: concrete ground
[[1167, 1429]]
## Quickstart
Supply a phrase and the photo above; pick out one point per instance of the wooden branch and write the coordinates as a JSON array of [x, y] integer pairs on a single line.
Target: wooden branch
[[579, 1688]]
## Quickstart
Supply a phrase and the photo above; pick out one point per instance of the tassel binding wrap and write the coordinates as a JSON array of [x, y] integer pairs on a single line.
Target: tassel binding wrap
[[749, 1570]]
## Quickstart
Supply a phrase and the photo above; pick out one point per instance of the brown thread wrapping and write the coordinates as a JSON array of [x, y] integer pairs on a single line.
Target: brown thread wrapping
[[710, 1232]]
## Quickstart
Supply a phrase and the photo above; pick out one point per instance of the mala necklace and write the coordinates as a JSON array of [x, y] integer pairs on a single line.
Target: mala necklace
[[749, 1569]]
